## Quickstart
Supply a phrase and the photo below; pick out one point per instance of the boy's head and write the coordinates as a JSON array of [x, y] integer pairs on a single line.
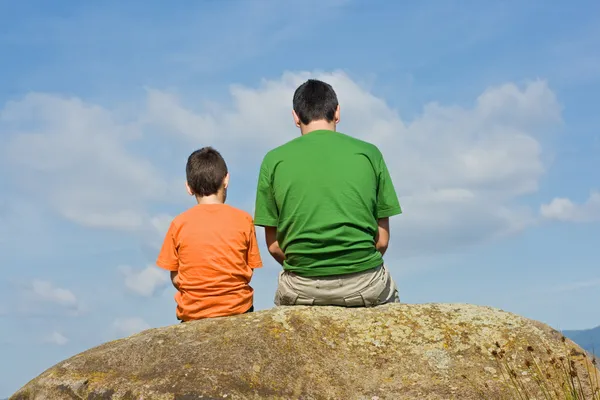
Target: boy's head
[[315, 101], [206, 173]]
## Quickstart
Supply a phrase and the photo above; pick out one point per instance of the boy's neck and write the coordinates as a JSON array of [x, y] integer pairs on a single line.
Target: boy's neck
[[217, 198]]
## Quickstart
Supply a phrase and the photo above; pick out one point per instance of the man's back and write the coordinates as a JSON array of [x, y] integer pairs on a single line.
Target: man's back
[[325, 191]]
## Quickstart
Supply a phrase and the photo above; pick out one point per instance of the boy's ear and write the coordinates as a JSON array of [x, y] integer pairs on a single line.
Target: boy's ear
[[337, 114], [226, 181], [189, 189], [296, 118]]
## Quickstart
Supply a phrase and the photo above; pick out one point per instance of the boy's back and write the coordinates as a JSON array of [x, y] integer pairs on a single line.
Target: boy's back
[[211, 248]]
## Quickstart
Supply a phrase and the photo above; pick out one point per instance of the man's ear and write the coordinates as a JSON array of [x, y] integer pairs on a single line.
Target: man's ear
[[296, 118], [337, 114], [226, 181], [189, 189]]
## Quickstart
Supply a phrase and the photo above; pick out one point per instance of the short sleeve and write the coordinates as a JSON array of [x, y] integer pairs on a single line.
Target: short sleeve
[[265, 210], [253, 255], [168, 258], [387, 200]]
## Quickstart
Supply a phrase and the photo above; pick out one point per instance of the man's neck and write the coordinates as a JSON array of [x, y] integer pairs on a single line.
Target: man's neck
[[320, 125]]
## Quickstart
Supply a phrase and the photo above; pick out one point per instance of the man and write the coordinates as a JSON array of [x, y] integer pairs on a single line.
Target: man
[[325, 200]]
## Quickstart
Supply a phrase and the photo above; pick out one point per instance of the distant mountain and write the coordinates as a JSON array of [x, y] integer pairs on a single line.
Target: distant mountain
[[589, 339]]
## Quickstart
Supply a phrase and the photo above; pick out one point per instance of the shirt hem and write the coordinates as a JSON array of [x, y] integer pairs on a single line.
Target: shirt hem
[[265, 222], [184, 316], [323, 271], [389, 212], [166, 266]]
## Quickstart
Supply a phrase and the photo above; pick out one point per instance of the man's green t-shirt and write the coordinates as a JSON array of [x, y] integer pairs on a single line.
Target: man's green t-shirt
[[324, 191]]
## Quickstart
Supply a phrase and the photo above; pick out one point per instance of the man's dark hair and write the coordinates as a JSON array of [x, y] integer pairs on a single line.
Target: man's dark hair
[[205, 171], [315, 100]]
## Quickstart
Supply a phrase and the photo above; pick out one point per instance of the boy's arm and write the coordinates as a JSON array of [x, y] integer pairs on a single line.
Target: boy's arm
[[168, 257], [382, 239], [253, 253], [175, 279], [273, 244]]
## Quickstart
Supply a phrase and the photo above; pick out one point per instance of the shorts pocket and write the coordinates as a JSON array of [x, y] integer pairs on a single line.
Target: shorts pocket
[[374, 294], [285, 297], [355, 300]]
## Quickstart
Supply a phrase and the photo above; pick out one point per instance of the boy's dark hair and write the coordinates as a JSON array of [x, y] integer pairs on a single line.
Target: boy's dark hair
[[205, 171], [315, 100]]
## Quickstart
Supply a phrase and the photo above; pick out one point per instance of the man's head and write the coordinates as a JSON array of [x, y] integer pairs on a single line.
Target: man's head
[[206, 173], [315, 103]]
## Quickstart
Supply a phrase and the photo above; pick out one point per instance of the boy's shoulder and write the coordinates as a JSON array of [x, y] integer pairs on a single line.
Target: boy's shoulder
[[179, 220], [225, 209], [194, 217], [239, 213]]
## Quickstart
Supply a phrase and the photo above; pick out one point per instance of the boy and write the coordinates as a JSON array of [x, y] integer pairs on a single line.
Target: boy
[[210, 249]]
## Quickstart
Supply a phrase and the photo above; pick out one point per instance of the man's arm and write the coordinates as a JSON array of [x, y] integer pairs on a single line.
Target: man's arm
[[266, 212], [273, 244], [175, 279], [387, 206], [383, 235]]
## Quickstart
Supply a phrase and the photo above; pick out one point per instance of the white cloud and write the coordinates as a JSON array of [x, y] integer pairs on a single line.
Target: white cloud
[[56, 338], [129, 325], [46, 292], [76, 154], [156, 230], [459, 171], [145, 282], [563, 209], [581, 285], [161, 223], [41, 297]]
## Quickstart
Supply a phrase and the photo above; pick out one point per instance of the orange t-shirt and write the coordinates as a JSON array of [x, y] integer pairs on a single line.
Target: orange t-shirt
[[214, 250]]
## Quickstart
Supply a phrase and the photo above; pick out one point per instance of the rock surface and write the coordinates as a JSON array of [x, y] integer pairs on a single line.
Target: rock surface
[[399, 351]]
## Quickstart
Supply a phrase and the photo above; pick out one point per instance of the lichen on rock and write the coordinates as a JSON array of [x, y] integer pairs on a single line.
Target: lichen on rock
[[396, 351]]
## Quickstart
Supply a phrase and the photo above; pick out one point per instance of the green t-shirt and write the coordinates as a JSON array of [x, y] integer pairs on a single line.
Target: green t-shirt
[[324, 192]]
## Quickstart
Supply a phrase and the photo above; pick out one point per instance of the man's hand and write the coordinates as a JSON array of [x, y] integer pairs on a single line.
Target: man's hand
[[382, 239], [273, 244], [175, 279]]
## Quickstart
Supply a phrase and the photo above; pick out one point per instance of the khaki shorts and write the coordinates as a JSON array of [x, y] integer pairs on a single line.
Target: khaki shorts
[[362, 289]]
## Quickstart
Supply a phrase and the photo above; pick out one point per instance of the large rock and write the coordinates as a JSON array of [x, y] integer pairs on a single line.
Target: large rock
[[433, 351]]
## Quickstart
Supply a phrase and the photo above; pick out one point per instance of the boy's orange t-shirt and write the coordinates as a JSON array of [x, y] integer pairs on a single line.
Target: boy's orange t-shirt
[[214, 250]]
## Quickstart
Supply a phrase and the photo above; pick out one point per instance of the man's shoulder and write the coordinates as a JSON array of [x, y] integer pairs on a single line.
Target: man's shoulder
[[291, 146], [280, 151], [358, 142]]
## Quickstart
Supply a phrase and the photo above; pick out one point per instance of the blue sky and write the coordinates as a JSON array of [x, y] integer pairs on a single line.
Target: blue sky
[[486, 114]]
